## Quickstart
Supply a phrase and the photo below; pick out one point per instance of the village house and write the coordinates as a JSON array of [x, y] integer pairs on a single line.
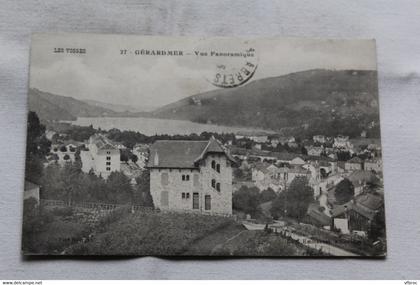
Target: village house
[[258, 146], [31, 191], [191, 176], [315, 215], [297, 161], [353, 164], [315, 150], [373, 165], [142, 153], [102, 157], [319, 139], [274, 142], [358, 214], [270, 176], [259, 138], [342, 142], [361, 179], [266, 176]]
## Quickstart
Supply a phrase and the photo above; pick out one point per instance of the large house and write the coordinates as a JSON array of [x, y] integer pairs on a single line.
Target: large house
[[102, 157], [353, 164], [191, 176], [358, 214]]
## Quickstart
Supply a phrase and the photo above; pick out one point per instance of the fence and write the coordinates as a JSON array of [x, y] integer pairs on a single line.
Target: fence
[[103, 207], [93, 205]]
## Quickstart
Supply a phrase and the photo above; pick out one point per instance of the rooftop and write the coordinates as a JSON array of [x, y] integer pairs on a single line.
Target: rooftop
[[182, 153], [101, 142]]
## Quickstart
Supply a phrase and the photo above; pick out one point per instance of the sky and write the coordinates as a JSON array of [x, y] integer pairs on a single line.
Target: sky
[[145, 81]]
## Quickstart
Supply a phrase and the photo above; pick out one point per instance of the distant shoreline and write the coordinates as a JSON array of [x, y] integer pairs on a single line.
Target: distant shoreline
[[163, 126]]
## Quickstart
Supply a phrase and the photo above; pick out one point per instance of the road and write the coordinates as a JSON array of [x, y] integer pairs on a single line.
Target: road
[[308, 242]]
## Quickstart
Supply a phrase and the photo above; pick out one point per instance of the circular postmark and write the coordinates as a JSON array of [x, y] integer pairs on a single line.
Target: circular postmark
[[227, 63]]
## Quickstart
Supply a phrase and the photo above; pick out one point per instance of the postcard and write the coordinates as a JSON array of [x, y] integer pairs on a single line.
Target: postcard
[[164, 146]]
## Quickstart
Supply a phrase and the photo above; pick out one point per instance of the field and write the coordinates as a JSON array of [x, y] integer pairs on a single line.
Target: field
[[64, 231]]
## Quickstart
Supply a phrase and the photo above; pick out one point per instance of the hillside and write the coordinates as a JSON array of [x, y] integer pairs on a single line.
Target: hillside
[[316, 101], [45, 109], [119, 107], [54, 107]]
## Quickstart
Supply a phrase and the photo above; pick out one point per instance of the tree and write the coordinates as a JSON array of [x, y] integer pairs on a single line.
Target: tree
[[33, 169], [134, 158], [343, 155], [246, 200], [344, 191], [34, 130], [36, 148], [119, 188], [295, 200], [124, 155], [142, 194], [267, 195]]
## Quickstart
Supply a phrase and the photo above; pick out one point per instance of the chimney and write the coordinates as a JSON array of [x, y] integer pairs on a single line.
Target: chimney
[[156, 159]]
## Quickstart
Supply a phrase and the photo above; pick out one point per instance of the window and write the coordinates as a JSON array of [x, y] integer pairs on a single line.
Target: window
[[218, 168], [108, 152], [207, 202], [108, 169], [188, 195], [164, 179], [185, 177], [218, 187], [196, 202], [108, 163], [183, 195], [213, 164], [196, 183], [213, 183], [164, 198], [108, 158]]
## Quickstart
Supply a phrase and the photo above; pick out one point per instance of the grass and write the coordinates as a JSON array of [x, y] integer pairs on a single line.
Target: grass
[[152, 234], [259, 243], [355, 246]]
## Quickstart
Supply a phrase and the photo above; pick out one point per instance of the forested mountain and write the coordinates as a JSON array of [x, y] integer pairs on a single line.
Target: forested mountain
[[319, 101], [54, 107]]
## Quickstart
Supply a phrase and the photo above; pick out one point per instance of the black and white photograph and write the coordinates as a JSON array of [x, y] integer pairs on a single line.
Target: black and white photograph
[[203, 146]]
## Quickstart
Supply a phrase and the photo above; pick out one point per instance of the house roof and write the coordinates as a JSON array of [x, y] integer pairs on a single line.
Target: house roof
[[365, 205], [29, 185], [102, 142], [315, 213], [363, 176], [355, 160], [182, 153]]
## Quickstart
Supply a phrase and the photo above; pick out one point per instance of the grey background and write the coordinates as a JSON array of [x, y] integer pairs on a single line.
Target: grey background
[[394, 24]]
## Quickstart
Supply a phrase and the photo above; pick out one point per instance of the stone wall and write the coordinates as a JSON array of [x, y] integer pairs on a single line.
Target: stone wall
[[170, 181]]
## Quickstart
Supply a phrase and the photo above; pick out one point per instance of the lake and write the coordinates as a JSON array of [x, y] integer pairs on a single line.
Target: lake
[[152, 126]]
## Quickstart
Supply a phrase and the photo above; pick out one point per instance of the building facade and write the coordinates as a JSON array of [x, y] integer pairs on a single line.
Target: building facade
[[102, 157], [191, 176]]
